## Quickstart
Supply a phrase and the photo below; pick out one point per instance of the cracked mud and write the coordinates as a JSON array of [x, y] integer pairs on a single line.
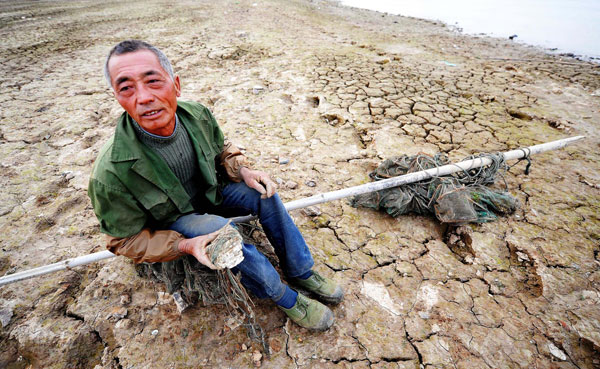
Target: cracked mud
[[328, 92]]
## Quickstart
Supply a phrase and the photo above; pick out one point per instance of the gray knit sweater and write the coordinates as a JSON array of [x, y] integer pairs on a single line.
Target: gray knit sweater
[[178, 152]]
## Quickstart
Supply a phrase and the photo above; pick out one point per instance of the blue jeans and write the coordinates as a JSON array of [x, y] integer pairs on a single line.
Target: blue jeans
[[258, 275]]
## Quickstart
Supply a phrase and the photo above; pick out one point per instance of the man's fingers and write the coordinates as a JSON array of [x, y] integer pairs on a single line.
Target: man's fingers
[[271, 188], [205, 261], [211, 236], [258, 187]]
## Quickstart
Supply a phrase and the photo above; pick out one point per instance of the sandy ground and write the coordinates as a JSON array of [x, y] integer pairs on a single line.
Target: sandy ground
[[317, 95]]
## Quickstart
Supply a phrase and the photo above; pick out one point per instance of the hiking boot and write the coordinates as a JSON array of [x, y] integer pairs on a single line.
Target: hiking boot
[[310, 314], [325, 289]]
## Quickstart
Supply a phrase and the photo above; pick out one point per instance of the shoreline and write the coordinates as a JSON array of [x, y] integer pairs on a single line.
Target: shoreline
[[554, 51]]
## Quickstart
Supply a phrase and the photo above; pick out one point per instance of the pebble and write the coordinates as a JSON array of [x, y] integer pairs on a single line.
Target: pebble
[[311, 211], [5, 316], [117, 313], [291, 185], [154, 332], [68, 175], [163, 298], [556, 352], [256, 358], [124, 324], [311, 183], [180, 302], [283, 161], [125, 299]]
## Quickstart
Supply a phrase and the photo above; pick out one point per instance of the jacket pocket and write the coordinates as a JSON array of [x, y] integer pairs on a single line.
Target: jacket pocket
[[158, 205]]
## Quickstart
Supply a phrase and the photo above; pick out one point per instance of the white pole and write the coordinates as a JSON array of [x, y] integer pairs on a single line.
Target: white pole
[[318, 199], [61, 265], [418, 176]]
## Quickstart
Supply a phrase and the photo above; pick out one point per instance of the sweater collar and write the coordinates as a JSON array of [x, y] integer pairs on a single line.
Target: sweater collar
[[126, 144]]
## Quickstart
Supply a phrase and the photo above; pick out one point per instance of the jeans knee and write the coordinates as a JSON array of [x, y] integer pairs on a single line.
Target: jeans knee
[[194, 225]]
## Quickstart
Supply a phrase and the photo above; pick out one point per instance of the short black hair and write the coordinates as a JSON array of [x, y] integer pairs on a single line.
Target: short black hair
[[130, 46]]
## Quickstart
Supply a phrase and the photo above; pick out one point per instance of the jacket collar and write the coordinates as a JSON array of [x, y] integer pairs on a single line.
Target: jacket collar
[[127, 147]]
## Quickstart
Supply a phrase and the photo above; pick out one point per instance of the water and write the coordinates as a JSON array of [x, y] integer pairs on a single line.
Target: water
[[570, 26]]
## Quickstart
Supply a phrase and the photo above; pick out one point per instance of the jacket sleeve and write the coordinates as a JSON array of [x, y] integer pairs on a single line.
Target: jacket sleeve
[[123, 220], [231, 158], [147, 246]]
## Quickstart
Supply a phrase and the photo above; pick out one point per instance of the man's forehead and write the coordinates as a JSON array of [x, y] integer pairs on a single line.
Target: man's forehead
[[137, 62]]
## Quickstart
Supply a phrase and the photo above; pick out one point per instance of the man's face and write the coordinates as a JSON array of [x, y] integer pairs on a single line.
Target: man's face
[[145, 90]]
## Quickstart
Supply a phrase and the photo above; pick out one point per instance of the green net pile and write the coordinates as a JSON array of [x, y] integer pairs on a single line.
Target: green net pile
[[188, 278], [461, 197]]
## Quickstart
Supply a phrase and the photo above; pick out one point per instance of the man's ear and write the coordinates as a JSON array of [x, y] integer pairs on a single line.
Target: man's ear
[[177, 84]]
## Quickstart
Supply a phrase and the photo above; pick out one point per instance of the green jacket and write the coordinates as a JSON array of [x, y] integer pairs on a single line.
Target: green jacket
[[132, 188]]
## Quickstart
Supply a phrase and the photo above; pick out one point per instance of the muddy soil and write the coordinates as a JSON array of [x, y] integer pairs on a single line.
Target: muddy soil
[[317, 95]]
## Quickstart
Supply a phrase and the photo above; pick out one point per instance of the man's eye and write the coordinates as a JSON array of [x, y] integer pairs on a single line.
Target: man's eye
[[153, 81], [125, 88]]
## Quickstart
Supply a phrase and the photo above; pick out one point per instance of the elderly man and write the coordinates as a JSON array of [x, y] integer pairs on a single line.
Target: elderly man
[[159, 182]]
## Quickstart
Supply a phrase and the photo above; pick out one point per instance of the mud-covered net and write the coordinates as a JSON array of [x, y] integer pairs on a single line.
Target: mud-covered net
[[461, 197], [190, 280]]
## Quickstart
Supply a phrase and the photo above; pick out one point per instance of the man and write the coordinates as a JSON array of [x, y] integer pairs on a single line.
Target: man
[[159, 181]]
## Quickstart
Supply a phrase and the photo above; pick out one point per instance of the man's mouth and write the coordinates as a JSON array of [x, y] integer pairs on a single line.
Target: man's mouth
[[151, 113]]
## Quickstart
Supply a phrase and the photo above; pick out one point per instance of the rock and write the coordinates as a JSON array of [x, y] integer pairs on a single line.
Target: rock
[[257, 89], [125, 299], [6, 314], [334, 119], [180, 302], [283, 161], [154, 333], [225, 251], [518, 114], [117, 313], [556, 352], [256, 358], [311, 183], [311, 211], [291, 185], [163, 298], [124, 324]]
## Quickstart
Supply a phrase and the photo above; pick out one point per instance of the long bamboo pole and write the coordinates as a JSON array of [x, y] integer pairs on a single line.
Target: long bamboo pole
[[318, 199]]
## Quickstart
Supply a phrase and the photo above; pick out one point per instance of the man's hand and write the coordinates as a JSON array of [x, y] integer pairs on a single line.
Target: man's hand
[[197, 246], [260, 181]]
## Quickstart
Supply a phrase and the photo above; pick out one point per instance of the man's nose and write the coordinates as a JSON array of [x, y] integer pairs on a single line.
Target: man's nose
[[144, 95]]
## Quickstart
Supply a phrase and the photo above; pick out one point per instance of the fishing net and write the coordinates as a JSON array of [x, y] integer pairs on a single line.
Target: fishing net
[[461, 197], [189, 281]]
